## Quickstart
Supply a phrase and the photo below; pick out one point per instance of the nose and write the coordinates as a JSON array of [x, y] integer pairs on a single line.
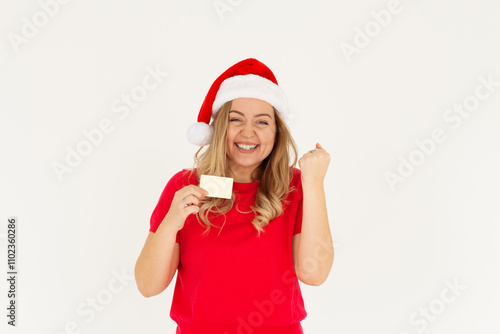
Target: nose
[[248, 130]]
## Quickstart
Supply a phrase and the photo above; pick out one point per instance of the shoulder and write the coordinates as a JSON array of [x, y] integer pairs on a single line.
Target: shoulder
[[294, 193], [295, 180], [295, 186], [184, 177]]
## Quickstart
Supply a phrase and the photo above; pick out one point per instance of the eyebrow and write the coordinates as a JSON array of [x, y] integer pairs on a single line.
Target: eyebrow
[[238, 112]]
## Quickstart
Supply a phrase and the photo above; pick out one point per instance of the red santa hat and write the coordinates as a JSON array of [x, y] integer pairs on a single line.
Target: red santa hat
[[248, 78]]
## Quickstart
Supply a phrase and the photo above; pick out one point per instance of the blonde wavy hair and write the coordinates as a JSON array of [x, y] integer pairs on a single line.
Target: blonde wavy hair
[[275, 173]]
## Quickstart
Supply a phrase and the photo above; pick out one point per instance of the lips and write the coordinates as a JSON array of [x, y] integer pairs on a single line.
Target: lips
[[247, 147]]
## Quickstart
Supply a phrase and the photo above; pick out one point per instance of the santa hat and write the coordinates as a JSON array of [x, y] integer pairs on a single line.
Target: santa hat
[[248, 78]]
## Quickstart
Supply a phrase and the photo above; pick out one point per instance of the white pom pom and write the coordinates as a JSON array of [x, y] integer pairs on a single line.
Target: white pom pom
[[200, 133]]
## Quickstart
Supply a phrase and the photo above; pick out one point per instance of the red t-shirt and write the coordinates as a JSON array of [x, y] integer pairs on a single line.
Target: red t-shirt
[[231, 281]]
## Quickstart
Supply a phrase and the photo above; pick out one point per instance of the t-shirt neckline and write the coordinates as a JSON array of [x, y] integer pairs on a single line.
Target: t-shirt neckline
[[245, 186]]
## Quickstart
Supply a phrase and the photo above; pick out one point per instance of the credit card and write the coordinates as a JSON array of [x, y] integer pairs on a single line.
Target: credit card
[[217, 186]]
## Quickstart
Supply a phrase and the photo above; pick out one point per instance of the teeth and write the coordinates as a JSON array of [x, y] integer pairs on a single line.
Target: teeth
[[246, 147]]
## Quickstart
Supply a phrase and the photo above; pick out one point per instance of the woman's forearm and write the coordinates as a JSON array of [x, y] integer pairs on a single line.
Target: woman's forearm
[[315, 250], [157, 262]]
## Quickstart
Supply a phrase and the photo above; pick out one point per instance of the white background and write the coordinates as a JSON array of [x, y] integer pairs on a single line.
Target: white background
[[394, 248]]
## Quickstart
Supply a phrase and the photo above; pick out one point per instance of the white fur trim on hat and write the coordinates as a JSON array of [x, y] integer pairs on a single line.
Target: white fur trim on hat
[[200, 133], [251, 86]]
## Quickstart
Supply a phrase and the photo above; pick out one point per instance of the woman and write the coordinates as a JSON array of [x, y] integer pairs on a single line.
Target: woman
[[239, 260]]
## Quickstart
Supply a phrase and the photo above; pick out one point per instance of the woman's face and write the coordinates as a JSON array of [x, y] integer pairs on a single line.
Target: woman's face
[[251, 133]]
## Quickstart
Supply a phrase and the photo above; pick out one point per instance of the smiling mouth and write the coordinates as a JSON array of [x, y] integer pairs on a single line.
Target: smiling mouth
[[246, 147]]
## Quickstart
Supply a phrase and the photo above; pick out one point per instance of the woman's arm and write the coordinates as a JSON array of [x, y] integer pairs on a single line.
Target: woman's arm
[[157, 262], [159, 257], [313, 247]]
